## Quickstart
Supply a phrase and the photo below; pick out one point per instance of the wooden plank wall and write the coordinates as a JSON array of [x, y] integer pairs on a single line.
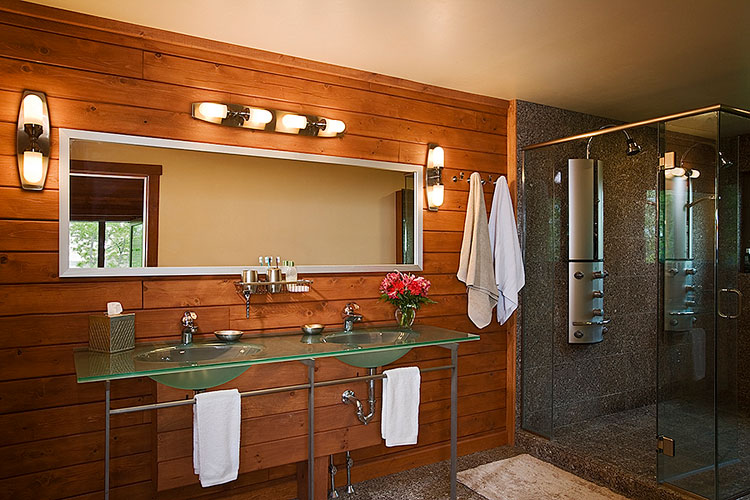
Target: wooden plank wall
[[114, 77]]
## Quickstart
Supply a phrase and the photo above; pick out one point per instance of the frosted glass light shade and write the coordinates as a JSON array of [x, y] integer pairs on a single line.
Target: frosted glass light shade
[[438, 157], [33, 167], [213, 110], [435, 195], [260, 116], [33, 110], [678, 171], [294, 121], [335, 126]]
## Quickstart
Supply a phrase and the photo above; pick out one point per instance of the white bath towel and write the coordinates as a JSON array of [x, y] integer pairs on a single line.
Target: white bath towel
[[399, 419], [475, 265], [506, 250], [216, 436]]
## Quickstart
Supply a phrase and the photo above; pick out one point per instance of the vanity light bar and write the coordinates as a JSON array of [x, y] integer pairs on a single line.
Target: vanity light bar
[[268, 120]]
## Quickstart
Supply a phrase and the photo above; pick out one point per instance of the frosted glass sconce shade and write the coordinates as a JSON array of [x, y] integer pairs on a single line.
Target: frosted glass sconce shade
[[434, 177], [32, 140]]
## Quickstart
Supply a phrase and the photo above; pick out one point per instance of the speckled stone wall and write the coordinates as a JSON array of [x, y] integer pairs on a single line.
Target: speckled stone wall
[[559, 383]]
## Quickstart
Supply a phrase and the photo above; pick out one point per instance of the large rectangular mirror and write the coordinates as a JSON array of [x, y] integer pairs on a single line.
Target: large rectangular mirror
[[141, 206]]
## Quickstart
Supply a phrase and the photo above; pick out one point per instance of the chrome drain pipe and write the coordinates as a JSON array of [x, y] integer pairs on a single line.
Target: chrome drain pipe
[[349, 463], [332, 471], [348, 397]]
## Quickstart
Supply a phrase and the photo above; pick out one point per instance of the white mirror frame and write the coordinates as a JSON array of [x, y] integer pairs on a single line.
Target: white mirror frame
[[66, 135]]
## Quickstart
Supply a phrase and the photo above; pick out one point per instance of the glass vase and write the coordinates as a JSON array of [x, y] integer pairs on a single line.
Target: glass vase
[[405, 316]]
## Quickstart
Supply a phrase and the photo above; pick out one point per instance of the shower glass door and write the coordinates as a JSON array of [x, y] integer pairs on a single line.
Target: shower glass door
[[732, 342], [686, 367], [703, 350]]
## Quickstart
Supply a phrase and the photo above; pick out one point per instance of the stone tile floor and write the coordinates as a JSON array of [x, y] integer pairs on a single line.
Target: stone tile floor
[[620, 445], [625, 441], [429, 482]]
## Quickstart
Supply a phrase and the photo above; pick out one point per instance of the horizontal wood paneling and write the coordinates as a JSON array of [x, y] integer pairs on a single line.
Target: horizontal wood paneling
[[112, 77], [68, 51], [21, 235]]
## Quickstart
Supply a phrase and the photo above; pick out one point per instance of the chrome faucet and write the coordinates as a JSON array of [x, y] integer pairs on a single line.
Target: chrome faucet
[[188, 327], [350, 316]]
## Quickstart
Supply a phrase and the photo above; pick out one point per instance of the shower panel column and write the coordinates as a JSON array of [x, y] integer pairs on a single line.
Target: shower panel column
[[585, 252]]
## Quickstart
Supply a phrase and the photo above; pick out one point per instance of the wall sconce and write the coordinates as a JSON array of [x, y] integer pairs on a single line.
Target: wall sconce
[[671, 171], [434, 177], [32, 140], [287, 122]]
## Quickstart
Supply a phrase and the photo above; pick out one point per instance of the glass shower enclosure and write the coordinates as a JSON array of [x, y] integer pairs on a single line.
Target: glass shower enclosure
[[674, 361], [703, 416]]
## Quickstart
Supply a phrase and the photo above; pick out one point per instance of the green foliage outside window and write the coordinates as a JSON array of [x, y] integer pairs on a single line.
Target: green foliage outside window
[[123, 243]]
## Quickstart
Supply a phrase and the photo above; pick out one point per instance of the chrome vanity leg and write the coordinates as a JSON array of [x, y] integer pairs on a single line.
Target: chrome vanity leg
[[332, 470], [310, 429], [349, 464], [454, 418], [106, 440]]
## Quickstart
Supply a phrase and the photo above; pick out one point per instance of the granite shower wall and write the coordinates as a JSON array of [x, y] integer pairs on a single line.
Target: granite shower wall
[[561, 383]]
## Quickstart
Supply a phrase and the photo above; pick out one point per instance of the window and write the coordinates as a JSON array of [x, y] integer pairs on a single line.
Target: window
[[114, 210], [106, 244]]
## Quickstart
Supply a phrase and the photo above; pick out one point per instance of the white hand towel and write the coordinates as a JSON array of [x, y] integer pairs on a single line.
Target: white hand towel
[[475, 265], [399, 419], [506, 251], [216, 436]]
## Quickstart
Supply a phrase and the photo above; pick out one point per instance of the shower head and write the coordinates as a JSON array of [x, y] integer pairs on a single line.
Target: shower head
[[723, 162], [632, 148]]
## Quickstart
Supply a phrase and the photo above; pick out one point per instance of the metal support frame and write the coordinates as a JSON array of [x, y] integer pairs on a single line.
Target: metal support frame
[[310, 429], [454, 416], [311, 385]]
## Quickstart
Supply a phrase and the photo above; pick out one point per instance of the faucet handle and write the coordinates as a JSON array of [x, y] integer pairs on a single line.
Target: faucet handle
[[350, 308], [188, 318]]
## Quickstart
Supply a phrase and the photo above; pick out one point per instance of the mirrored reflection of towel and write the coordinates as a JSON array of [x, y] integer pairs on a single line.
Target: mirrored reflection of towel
[[506, 251], [475, 266]]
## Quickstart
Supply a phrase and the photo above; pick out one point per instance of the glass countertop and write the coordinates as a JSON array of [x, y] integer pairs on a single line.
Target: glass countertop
[[156, 358]]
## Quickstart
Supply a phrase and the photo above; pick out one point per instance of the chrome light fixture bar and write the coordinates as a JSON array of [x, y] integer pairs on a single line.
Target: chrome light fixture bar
[[268, 120], [32, 140], [434, 177]]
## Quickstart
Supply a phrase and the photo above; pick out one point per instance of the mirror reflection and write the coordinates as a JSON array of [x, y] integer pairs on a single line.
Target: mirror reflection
[[136, 206]]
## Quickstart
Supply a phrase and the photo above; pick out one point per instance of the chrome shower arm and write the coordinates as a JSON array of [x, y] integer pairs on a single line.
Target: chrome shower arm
[[631, 143]]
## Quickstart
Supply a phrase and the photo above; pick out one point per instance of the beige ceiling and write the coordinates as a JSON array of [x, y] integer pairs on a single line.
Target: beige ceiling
[[621, 59]]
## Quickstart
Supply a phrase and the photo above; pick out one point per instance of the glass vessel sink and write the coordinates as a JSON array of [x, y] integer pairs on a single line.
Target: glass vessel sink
[[195, 355], [358, 339]]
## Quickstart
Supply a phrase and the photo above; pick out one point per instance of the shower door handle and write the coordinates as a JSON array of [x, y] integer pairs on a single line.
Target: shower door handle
[[739, 303]]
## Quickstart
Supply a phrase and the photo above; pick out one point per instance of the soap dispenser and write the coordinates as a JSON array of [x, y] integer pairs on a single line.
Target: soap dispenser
[[290, 271]]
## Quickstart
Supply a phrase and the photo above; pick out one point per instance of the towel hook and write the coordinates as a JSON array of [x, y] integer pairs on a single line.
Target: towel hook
[[460, 177]]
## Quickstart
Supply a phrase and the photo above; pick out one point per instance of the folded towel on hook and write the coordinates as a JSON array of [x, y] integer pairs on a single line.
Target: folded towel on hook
[[475, 263], [506, 250], [216, 436], [399, 419]]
